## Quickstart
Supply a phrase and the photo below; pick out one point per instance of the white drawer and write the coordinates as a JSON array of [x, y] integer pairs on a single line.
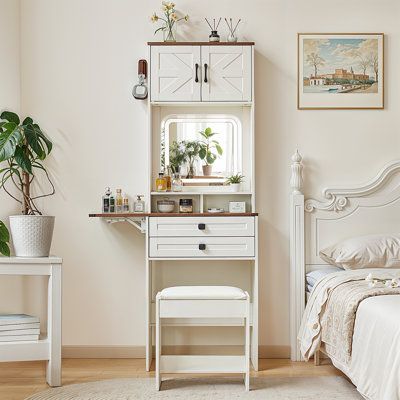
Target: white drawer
[[201, 226], [188, 247]]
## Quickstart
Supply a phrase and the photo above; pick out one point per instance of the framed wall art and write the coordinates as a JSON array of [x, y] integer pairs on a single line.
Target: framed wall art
[[340, 71]]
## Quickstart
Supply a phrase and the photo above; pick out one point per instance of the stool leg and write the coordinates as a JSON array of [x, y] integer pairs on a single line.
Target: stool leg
[[247, 347], [158, 344]]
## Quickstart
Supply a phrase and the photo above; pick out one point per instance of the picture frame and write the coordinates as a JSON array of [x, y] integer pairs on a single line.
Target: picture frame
[[340, 71]]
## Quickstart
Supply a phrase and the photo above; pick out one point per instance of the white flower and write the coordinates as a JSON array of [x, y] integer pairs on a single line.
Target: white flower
[[369, 278], [394, 283], [372, 283]]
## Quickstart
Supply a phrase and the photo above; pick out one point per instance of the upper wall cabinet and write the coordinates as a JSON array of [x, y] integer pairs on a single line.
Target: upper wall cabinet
[[208, 73]]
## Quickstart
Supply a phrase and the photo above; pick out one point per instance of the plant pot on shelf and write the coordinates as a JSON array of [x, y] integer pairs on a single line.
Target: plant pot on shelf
[[234, 187], [207, 170], [32, 235]]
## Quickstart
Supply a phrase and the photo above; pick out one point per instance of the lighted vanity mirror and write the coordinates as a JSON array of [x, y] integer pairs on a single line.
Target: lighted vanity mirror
[[204, 149]]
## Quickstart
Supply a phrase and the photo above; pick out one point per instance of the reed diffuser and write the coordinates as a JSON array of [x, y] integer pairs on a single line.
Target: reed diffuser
[[232, 30], [214, 37]]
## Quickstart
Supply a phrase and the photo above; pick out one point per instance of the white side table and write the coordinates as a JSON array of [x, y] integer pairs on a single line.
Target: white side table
[[49, 347]]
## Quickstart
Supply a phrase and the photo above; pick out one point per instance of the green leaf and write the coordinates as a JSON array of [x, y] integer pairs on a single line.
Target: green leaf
[[219, 149], [45, 139], [4, 235], [9, 140], [4, 249], [208, 131], [34, 141], [10, 117], [27, 121], [23, 160], [210, 158], [202, 153]]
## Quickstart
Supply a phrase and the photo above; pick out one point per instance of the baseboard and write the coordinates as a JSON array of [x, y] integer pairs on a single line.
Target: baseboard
[[139, 351]]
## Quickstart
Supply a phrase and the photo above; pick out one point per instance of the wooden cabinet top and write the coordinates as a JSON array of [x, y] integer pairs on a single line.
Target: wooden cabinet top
[[155, 214], [200, 43]]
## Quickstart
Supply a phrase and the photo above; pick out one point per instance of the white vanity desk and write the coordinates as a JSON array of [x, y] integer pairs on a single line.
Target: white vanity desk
[[193, 86]]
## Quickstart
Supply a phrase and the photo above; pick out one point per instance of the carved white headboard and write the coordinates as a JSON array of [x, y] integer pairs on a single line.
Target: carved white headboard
[[344, 212]]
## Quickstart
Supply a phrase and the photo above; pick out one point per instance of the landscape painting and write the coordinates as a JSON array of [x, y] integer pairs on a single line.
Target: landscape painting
[[340, 71]]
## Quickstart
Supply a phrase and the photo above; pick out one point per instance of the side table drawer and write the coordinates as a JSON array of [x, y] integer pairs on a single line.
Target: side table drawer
[[201, 226], [197, 247]]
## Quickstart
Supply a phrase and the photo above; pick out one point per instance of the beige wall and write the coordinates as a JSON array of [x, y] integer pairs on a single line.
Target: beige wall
[[78, 67]]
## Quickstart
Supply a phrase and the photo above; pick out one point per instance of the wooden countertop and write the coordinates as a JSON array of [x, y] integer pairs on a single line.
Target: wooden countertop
[[154, 214], [200, 43]]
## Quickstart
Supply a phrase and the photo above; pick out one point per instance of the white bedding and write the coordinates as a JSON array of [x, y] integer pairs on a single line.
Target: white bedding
[[372, 324], [375, 361]]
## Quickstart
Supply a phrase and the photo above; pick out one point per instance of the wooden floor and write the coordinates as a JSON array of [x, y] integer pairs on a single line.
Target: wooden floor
[[20, 380]]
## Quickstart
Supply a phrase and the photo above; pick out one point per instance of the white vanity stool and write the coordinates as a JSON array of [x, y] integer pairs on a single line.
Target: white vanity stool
[[203, 302]]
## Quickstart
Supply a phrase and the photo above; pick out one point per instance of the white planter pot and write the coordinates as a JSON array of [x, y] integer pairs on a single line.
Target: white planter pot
[[31, 235], [235, 187]]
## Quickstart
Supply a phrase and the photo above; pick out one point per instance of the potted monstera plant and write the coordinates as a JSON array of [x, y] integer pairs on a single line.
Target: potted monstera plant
[[23, 148]]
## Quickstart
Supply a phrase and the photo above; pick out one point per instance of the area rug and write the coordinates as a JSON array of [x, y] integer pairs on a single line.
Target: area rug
[[265, 388]]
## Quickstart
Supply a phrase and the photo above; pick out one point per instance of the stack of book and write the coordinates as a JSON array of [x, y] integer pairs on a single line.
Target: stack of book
[[19, 328]]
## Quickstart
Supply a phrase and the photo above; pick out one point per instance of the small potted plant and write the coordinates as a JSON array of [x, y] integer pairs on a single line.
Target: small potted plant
[[169, 21], [23, 148], [209, 151], [4, 240], [234, 182]]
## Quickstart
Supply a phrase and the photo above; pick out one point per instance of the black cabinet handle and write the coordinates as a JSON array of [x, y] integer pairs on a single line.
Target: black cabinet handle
[[201, 227], [196, 79], [205, 73], [202, 246]]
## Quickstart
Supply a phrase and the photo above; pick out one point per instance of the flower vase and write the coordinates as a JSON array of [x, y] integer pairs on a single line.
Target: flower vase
[[170, 33]]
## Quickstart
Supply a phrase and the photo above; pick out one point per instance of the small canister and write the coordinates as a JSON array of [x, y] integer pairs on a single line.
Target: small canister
[[186, 206]]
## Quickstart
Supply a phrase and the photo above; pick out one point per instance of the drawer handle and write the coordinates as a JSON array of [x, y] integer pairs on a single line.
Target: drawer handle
[[201, 227], [197, 73], [202, 246]]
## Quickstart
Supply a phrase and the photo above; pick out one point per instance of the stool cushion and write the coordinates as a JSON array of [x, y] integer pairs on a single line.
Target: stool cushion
[[202, 293]]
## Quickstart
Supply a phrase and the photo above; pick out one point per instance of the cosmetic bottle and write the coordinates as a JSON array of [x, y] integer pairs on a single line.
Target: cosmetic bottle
[[161, 183], [125, 207], [177, 183], [112, 203], [119, 201], [168, 178], [138, 205], [105, 201]]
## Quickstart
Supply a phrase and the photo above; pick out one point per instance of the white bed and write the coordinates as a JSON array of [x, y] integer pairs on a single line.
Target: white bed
[[374, 362]]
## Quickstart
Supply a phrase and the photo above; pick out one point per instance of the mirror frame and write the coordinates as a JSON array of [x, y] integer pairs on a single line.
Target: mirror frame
[[237, 133]]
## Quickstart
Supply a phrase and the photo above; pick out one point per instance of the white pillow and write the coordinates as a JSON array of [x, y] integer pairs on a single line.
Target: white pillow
[[372, 251]]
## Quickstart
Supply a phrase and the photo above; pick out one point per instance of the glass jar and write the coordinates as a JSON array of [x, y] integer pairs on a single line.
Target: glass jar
[[186, 206], [177, 183]]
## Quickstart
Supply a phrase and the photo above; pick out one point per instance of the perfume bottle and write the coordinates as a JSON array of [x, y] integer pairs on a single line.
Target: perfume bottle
[[105, 201], [125, 206], [161, 183], [138, 205], [176, 183], [112, 203], [119, 201], [168, 178]]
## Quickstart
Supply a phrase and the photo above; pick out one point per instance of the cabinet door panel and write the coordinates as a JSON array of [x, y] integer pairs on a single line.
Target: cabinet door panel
[[229, 73], [173, 73]]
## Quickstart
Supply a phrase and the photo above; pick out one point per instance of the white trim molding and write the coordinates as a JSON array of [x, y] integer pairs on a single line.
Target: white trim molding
[[297, 267]]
